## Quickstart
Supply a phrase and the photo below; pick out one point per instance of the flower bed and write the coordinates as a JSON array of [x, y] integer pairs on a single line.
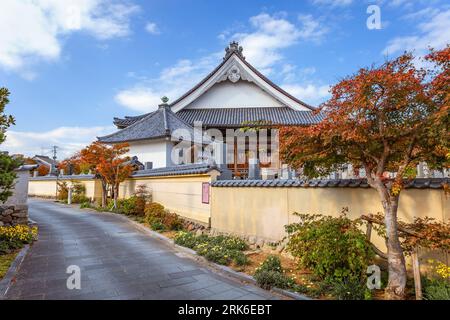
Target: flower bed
[[13, 238], [225, 250]]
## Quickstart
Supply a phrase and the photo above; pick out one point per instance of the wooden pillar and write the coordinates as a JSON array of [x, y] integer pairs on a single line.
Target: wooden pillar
[[416, 271]]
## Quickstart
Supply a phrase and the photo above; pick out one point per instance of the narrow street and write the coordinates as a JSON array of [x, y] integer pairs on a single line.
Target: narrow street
[[116, 260]]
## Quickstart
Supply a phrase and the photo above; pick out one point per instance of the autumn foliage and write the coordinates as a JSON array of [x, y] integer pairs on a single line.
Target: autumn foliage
[[382, 119], [108, 163], [43, 170]]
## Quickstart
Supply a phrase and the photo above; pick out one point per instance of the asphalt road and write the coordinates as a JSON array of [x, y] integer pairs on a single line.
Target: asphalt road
[[116, 261]]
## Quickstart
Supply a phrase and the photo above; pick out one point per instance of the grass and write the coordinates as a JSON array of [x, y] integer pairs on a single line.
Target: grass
[[5, 262]]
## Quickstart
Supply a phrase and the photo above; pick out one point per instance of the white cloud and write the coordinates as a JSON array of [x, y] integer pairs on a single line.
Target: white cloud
[[272, 34], [152, 28], [172, 82], [312, 94], [138, 98], [262, 48], [32, 30], [332, 3], [434, 32], [69, 139]]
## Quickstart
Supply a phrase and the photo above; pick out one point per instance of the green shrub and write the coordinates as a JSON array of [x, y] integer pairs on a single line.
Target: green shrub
[[239, 258], [436, 289], [154, 209], [157, 226], [155, 214], [85, 205], [186, 239], [269, 279], [142, 198], [172, 221], [127, 206], [62, 191], [4, 248], [332, 248], [79, 193], [272, 263], [350, 289], [270, 274], [220, 249]]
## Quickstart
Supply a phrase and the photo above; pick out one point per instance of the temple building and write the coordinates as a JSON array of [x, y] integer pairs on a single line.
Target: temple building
[[234, 97]]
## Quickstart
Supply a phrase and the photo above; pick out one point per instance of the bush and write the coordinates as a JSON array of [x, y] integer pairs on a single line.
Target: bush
[[171, 221], [157, 226], [350, 289], [186, 239], [332, 248], [156, 215], [220, 249], [436, 289], [62, 191], [85, 205], [142, 198], [12, 238], [270, 274], [154, 210], [438, 286]]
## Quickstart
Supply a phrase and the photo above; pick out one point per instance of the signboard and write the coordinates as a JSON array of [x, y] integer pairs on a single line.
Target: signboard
[[205, 192]]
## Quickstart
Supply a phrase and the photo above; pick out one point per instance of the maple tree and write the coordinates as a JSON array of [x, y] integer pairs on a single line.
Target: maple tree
[[43, 170], [109, 164], [74, 165], [382, 119]]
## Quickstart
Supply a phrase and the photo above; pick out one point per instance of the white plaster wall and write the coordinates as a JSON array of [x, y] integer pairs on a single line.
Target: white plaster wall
[[234, 95], [20, 192], [150, 151]]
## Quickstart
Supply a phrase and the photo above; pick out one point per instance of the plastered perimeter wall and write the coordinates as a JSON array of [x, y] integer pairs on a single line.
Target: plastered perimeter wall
[[47, 188], [263, 212], [179, 194]]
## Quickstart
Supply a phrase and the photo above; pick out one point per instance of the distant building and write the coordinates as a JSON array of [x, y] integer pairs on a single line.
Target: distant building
[[46, 161]]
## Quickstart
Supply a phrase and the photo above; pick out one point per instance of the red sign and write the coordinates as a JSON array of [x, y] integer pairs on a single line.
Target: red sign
[[205, 192]]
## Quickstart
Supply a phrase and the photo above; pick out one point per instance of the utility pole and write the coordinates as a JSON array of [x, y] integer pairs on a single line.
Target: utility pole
[[54, 151]]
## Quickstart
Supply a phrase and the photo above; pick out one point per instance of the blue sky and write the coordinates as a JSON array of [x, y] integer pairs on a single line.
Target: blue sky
[[73, 65]]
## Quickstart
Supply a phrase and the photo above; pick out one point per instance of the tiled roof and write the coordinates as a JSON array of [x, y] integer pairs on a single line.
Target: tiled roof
[[419, 183], [158, 124], [65, 177], [236, 117], [45, 159], [127, 121], [200, 168]]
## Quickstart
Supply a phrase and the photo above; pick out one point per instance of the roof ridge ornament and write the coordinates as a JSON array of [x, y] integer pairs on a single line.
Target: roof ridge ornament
[[164, 103], [234, 47]]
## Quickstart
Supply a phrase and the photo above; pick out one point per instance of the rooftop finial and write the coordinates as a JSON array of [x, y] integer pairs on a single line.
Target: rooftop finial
[[233, 47], [164, 103]]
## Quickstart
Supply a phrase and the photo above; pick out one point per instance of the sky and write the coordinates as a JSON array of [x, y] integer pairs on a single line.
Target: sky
[[73, 65]]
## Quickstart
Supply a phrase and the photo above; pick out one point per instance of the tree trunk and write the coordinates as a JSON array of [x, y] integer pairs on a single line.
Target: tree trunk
[[116, 195], [104, 194], [396, 261]]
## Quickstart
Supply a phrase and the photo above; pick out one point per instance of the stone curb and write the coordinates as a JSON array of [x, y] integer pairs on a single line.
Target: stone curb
[[7, 280], [193, 255]]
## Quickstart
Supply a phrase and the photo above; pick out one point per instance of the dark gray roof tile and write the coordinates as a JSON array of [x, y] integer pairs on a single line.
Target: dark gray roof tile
[[237, 117], [419, 183], [158, 124], [200, 168]]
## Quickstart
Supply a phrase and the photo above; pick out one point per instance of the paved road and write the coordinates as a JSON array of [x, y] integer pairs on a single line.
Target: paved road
[[117, 261]]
